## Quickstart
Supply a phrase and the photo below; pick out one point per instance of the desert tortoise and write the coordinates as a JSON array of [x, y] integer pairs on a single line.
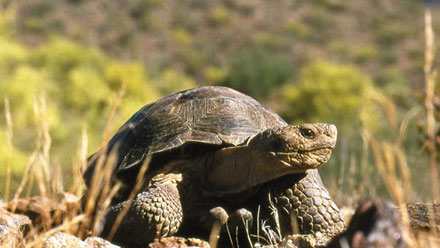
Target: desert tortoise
[[209, 147]]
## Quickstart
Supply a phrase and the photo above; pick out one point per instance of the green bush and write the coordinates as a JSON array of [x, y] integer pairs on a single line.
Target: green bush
[[335, 5], [365, 53], [220, 15], [298, 29], [257, 69], [327, 92], [171, 81], [391, 33], [79, 84]]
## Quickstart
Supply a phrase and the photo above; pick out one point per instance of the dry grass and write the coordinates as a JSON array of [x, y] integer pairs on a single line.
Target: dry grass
[[40, 173], [9, 138], [430, 79]]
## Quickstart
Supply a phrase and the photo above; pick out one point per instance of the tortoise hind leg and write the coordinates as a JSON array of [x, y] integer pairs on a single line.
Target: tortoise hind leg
[[155, 212]]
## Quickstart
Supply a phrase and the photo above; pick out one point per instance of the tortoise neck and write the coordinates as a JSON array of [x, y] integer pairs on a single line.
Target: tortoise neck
[[236, 169]]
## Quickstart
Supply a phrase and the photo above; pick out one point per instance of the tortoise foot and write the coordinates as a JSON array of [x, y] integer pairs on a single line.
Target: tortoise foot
[[154, 213]]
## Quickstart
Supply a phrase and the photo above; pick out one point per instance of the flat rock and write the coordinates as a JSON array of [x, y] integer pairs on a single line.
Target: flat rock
[[178, 242], [43, 211], [12, 227], [62, 240], [424, 216]]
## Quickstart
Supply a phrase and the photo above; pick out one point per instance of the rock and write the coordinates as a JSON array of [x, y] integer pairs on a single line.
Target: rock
[[45, 212], [375, 224], [421, 214], [297, 241], [97, 242], [12, 227], [178, 242], [62, 240]]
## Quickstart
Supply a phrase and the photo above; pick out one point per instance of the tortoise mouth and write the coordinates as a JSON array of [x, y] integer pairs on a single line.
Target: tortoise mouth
[[304, 159], [303, 151]]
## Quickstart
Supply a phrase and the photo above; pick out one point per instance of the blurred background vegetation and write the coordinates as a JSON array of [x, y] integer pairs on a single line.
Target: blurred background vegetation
[[358, 64]]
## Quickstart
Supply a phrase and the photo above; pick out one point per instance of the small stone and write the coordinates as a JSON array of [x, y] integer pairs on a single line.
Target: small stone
[[95, 242], [179, 242]]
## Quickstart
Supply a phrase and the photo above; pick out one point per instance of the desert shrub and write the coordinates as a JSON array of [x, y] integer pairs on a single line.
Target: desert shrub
[[297, 28], [334, 5], [21, 87], [320, 24], [327, 92], [7, 16], [257, 70], [182, 36], [60, 56], [79, 84], [214, 74], [171, 81], [397, 86], [365, 53], [391, 33], [220, 15]]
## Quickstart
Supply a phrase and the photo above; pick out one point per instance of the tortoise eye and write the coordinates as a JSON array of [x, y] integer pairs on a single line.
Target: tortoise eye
[[307, 133]]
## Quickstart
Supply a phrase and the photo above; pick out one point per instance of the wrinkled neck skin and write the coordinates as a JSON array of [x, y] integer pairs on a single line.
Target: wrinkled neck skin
[[236, 169]]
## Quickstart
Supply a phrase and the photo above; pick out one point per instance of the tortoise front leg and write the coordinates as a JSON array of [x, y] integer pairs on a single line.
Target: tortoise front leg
[[155, 212], [302, 199]]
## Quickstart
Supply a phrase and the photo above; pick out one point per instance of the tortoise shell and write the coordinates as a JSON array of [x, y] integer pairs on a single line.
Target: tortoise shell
[[210, 115]]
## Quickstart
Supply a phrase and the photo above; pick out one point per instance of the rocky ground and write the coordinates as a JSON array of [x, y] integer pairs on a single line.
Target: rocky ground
[[41, 222]]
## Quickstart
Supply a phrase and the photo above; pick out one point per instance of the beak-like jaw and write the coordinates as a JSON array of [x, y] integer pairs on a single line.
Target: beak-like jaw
[[299, 161]]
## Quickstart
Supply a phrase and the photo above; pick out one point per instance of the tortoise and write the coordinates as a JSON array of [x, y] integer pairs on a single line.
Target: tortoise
[[208, 148]]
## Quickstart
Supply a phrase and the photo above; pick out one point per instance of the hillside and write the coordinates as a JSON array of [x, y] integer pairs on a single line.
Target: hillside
[[204, 38]]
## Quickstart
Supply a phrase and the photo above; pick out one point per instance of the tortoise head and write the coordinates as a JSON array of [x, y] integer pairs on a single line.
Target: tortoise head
[[296, 147]]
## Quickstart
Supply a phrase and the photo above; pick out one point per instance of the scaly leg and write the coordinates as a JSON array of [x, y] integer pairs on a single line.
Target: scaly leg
[[155, 212], [302, 203]]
